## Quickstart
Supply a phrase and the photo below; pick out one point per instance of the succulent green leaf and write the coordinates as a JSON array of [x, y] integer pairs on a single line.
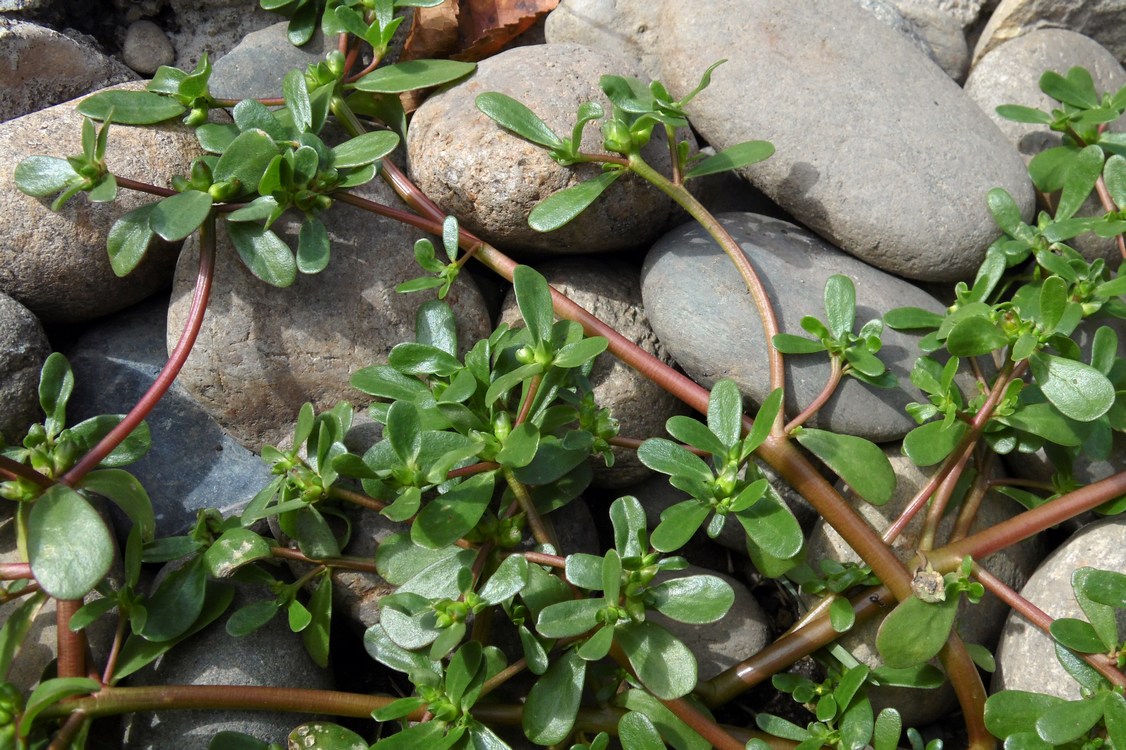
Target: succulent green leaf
[[1077, 88], [364, 149], [840, 305], [695, 599], [16, 626], [129, 239], [886, 731], [1068, 721], [1101, 616], [734, 157], [569, 618], [131, 107], [1017, 113], [788, 343], [1078, 390], [636, 732], [1114, 175], [678, 524], [628, 519], [1011, 712], [68, 545], [553, 702], [912, 318], [667, 457], [1005, 211], [696, 434], [725, 412], [56, 383], [771, 526], [250, 114], [177, 216], [1085, 170], [450, 516], [1077, 635], [234, 548], [313, 246], [296, 95], [915, 631], [246, 160], [315, 636], [265, 254], [514, 116], [663, 664], [859, 462], [127, 493], [176, 604], [323, 735], [414, 74], [1049, 168], [1046, 421], [580, 352], [520, 446], [533, 297], [560, 208], [43, 175], [254, 616], [975, 335], [1105, 587], [49, 692], [928, 444], [506, 581]]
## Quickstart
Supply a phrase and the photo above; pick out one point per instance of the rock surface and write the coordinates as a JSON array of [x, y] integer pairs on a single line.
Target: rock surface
[[64, 67], [56, 264], [612, 293], [698, 305], [240, 73], [272, 656], [192, 464], [1102, 20], [978, 623], [943, 34], [23, 349], [862, 170], [1010, 74], [216, 27], [146, 47], [491, 179], [263, 351], [627, 28], [1026, 658]]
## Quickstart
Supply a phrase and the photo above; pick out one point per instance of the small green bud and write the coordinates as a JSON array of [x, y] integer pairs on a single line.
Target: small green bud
[[196, 117], [225, 191], [525, 355], [64, 455], [334, 61], [502, 425], [616, 137]]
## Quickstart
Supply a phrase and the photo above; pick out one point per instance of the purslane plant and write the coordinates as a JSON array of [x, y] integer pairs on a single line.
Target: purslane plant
[[478, 449]]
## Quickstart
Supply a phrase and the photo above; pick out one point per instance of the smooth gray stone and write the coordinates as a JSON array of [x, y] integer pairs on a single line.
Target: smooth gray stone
[[877, 150], [628, 28], [23, 349], [56, 264], [943, 33], [1010, 74], [1026, 658], [64, 67], [263, 351], [698, 305], [491, 179], [146, 48], [217, 27], [1102, 20], [192, 464], [240, 74], [272, 656]]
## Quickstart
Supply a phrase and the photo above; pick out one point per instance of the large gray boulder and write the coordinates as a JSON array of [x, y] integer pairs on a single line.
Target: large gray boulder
[[23, 349], [877, 149]]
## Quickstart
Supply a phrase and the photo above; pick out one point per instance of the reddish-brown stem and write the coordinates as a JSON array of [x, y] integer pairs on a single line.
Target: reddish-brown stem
[[356, 498], [143, 187], [541, 558], [957, 457], [343, 563], [966, 680], [115, 648], [719, 737], [835, 373], [71, 646], [941, 499], [786, 650], [69, 730], [15, 571], [1041, 620], [10, 469], [542, 533], [171, 368], [526, 407], [975, 496]]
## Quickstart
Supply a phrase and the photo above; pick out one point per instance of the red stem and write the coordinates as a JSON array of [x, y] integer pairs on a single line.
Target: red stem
[[171, 369]]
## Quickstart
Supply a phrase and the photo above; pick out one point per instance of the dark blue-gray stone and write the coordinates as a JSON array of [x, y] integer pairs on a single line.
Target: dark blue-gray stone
[[698, 305]]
